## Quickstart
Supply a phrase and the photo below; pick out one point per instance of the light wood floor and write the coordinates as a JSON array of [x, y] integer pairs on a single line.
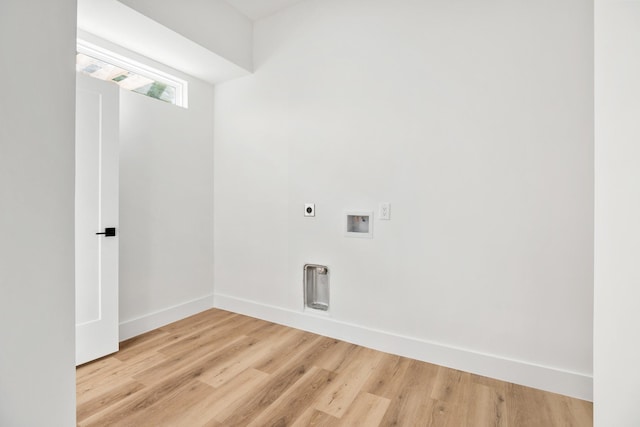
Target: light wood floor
[[224, 369]]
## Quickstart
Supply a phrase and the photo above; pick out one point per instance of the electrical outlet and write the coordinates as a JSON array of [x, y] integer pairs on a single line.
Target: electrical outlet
[[385, 211], [309, 209]]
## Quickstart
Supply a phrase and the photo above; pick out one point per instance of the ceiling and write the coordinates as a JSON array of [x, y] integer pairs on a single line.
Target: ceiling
[[112, 21], [257, 9]]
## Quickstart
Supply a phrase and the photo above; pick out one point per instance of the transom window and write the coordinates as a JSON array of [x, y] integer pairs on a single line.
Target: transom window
[[130, 75]]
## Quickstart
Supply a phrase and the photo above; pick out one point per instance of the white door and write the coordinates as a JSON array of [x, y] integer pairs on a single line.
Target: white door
[[97, 153]]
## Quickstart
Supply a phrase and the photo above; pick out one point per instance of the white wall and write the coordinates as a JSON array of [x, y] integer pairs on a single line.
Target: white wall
[[166, 204], [213, 24], [37, 375], [617, 212], [475, 121]]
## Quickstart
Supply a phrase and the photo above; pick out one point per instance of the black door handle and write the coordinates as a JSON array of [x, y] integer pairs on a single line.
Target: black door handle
[[109, 232]]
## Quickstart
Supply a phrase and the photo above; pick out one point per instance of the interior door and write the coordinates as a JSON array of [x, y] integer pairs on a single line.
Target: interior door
[[96, 210]]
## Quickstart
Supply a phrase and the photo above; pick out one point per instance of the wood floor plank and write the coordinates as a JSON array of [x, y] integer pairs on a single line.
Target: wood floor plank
[[436, 413], [140, 344], [109, 378], [499, 386], [412, 401], [297, 342], [367, 410], [193, 331], [223, 369], [96, 368], [264, 349], [336, 359], [198, 321], [141, 403], [526, 407], [209, 337], [582, 412], [180, 400], [486, 407], [292, 403], [86, 408], [206, 410], [245, 410], [337, 398], [88, 376], [566, 411], [315, 418], [197, 362], [388, 377], [451, 386]]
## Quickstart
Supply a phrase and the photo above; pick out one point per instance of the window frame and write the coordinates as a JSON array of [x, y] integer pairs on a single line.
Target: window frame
[[181, 86]]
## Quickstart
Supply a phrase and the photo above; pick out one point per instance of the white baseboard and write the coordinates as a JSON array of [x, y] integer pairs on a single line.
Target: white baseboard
[[515, 371], [157, 319]]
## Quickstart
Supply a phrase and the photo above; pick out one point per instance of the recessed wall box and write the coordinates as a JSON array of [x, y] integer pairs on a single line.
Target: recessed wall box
[[359, 224], [316, 286]]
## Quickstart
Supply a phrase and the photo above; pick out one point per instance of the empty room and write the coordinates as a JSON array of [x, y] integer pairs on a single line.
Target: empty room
[[319, 212]]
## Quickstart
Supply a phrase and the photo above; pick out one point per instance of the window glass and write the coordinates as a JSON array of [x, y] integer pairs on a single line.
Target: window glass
[[126, 79], [131, 75]]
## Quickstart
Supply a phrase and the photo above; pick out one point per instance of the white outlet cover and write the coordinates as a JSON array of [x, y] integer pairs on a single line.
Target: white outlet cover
[[385, 211], [309, 209]]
